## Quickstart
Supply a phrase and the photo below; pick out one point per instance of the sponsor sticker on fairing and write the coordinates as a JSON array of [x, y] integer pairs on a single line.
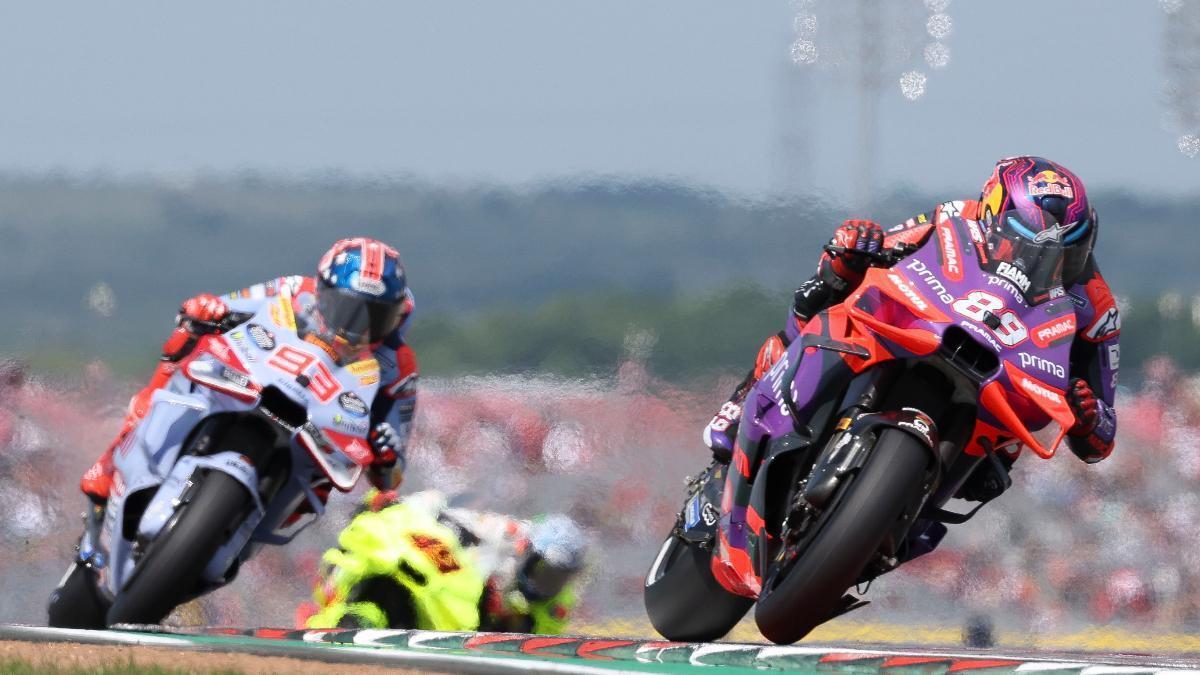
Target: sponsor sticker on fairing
[[1043, 364], [238, 378], [970, 326], [1055, 331], [239, 339], [1014, 274], [975, 232], [261, 337], [691, 516], [775, 377], [358, 427], [931, 280], [902, 285], [951, 259], [1031, 387], [352, 404], [1007, 285], [367, 371]]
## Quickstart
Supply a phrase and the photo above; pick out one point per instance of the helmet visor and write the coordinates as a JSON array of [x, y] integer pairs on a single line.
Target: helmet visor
[[354, 318], [1028, 254]]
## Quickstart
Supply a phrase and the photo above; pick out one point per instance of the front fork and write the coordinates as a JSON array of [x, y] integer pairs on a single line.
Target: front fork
[[844, 453], [785, 416]]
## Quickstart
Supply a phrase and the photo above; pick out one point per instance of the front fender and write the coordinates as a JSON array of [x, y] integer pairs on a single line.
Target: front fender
[[848, 449], [170, 494]]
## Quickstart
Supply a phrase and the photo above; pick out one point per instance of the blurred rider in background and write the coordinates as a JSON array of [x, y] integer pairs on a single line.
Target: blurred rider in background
[[1026, 203], [527, 567], [357, 306]]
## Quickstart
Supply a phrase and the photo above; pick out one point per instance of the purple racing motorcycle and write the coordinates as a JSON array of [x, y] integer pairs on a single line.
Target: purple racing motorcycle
[[930, 377]]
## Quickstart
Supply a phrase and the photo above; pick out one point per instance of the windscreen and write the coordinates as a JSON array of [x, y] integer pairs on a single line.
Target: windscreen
[[1027, 250]]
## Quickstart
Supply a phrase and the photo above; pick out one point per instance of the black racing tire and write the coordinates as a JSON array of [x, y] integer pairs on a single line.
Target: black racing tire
[[171, 568], [77, 603], [811, 590], [683, 600]]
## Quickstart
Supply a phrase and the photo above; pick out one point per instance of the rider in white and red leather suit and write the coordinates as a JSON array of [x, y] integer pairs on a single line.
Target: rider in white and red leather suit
[[1034, 186], [356, 279]]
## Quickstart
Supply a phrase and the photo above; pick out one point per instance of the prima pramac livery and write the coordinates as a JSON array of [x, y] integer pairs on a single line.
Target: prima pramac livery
[[972, 333]]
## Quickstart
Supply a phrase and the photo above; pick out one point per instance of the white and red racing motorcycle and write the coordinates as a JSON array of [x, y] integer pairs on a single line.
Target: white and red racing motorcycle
[[238, 450]]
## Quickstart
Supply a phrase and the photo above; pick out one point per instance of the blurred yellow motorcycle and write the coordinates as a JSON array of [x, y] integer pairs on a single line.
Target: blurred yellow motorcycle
[[398, 568], [418, 563]]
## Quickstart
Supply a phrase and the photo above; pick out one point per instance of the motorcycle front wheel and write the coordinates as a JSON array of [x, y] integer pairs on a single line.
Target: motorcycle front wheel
[[170, 570], [798, 597]]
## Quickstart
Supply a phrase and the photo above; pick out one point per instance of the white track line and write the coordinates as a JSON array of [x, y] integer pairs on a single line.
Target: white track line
[[45, 634]]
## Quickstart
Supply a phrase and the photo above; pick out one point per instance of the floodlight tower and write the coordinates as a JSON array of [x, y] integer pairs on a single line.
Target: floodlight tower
[[868, 83], [1181, 60]]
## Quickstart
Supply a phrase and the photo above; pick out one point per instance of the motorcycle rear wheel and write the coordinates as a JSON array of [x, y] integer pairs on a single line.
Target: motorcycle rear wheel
[[683, 600], [171, 569], [812, 587]]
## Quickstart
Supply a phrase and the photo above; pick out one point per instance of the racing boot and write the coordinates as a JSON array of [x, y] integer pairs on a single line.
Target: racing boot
[[93, 521], [97, 480], [721, 432]]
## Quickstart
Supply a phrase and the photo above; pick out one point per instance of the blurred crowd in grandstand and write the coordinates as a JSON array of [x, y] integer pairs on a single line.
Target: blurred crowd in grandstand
[[1074, 545], [1069, 546]]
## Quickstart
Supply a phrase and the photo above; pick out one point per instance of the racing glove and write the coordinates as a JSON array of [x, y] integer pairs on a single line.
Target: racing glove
[[844, 271], [387, 467], [1085, 405], [205, 307], [1094, 434]]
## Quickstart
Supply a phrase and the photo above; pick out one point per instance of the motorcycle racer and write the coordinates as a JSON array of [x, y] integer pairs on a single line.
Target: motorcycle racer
[[1026, 204], [528, 568], [358, 305]]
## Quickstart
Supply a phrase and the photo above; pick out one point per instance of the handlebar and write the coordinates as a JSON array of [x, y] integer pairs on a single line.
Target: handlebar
[[199, 327], [885, 257]]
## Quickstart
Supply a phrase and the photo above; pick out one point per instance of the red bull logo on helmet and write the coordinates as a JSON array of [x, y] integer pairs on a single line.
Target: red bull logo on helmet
[[1050, 182]]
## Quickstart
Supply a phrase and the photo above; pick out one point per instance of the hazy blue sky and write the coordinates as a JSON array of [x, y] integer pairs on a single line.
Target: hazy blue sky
[[524, 90]]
